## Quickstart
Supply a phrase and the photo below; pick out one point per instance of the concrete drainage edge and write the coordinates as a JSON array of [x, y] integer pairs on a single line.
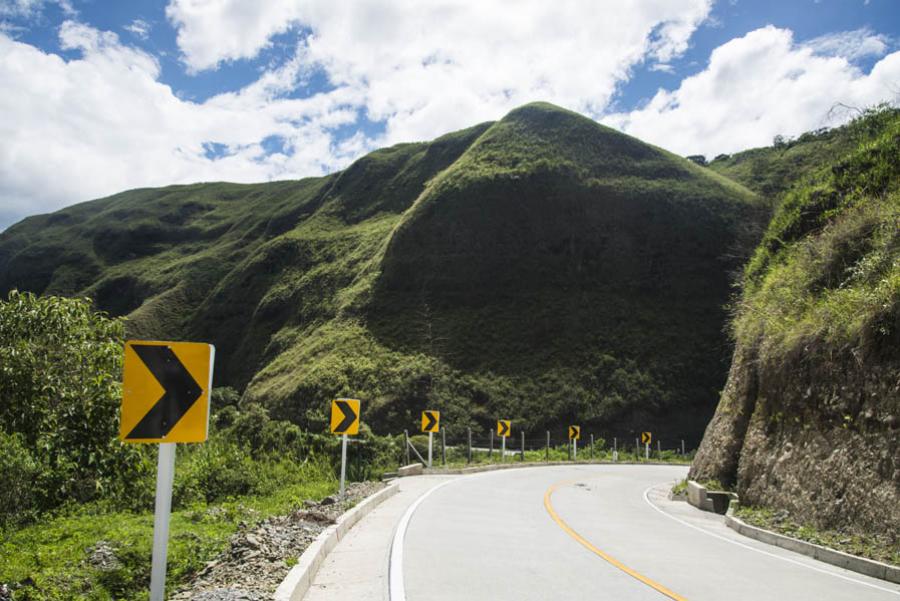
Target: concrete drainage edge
[[860, 565], [300, 578]]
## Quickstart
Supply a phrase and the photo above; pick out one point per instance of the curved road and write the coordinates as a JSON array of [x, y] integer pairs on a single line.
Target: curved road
[[566, 532], [597, 532]]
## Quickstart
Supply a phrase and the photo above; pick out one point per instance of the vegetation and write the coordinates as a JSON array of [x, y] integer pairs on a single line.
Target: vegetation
[[69, 483], [880, 547], [827, 268]]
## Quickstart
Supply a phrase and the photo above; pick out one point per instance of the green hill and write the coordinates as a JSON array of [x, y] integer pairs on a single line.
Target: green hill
[[544, 268]]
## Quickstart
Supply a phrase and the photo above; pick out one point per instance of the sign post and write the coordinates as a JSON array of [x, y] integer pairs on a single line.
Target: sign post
[[183, 371], [503, 430], [344, 421], [615, 449], [431, 421], [646, 438], [574, 435]]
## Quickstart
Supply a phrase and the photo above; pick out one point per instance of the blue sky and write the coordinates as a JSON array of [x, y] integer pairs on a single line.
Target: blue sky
[[104, 96]]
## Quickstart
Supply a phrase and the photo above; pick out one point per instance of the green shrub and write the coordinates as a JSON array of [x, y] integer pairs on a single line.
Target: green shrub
[[19, 473]]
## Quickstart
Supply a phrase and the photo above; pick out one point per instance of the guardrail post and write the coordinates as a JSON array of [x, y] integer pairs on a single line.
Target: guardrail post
[[682, 447], [522, 445], [615, 449], [547, 448], [443, 447], [637, 450], [469, 450], [406, 446], [491, 449], [592, 447], [658, 449]]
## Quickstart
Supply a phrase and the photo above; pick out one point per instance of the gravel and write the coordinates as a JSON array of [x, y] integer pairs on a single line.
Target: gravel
[[259, 556]]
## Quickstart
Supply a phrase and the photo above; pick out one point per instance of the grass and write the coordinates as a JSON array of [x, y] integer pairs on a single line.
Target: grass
[[48, 560], [880, 547]]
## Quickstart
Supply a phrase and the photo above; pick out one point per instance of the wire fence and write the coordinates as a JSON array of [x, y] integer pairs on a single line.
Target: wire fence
[[481, 447]]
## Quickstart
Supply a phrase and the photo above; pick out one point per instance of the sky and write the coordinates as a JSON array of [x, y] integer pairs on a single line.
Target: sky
[[101, 96]]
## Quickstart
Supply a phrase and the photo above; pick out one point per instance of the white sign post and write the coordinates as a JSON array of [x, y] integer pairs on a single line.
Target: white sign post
[[574, 449], [343, 462], [502, 449], [165, 475], [430, 442]]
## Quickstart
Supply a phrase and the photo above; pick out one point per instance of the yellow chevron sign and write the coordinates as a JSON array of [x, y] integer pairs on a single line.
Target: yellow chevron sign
[[503, 428], [646, 438], [574, 432], [345, 416], [431, 421], [165, 391]]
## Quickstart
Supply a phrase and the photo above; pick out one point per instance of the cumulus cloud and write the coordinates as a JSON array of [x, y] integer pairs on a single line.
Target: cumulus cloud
[[851, 45], [85, 128], [754, 88], [428, 68]]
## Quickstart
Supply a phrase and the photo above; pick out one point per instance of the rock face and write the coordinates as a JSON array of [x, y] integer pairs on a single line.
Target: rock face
[[815, 437]]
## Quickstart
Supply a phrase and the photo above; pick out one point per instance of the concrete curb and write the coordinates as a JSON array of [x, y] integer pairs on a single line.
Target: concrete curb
[[860, 565], [505, 466], [300, 578]]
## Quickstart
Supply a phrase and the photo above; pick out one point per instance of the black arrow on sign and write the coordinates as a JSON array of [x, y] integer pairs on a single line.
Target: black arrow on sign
[[181, 391], [504, 428], [349, 417], [573, 431], [432, 421]]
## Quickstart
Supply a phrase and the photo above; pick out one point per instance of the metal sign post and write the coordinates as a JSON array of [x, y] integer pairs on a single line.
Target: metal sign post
[[615, 449], [430, 443], [343, 462], [502, 449], [344, 421], [682, 447], [574, 449], [165, 475]]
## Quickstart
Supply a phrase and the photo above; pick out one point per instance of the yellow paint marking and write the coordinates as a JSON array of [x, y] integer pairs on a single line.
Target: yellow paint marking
[[606, 557]]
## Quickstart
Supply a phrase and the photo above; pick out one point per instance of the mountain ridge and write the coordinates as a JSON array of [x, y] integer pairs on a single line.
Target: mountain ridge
[[292, 279]]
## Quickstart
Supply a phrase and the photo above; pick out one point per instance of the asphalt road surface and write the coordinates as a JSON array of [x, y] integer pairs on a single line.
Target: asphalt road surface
[[592, 532]]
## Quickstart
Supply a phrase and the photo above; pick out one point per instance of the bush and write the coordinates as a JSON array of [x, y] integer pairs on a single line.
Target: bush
[[60, 368], [19, 474]]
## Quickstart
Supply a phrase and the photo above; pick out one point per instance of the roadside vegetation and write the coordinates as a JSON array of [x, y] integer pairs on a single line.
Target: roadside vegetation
[[878, 546], [69, 485]]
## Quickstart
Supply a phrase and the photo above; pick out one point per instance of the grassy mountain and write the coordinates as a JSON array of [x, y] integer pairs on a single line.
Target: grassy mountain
[[543, 267], [808, 420]]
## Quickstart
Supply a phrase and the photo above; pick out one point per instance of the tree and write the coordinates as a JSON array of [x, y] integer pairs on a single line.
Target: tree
[[60, 368], [697, 158]]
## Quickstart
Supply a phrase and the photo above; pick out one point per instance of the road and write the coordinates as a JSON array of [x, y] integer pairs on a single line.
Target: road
[[571, 532]]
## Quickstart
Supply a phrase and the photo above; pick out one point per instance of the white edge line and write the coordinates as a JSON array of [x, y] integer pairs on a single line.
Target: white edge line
[[740, 544], [396, 588]]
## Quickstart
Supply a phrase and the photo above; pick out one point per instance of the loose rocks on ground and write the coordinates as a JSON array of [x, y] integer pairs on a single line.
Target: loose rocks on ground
[[259, 556]]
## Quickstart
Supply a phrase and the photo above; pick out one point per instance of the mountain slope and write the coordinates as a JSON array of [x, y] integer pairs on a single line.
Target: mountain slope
[[808, 422], [542, 267]]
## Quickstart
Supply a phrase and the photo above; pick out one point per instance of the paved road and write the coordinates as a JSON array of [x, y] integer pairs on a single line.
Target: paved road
[[599, 532]]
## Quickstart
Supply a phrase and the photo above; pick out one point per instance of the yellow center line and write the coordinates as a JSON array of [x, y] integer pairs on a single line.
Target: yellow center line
[[605, 556]]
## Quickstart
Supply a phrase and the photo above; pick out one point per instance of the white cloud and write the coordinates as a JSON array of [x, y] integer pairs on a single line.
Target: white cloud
[[140, 28], [85, 128], [851, 45], [755, 87], [27, 9], [428, 68]]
